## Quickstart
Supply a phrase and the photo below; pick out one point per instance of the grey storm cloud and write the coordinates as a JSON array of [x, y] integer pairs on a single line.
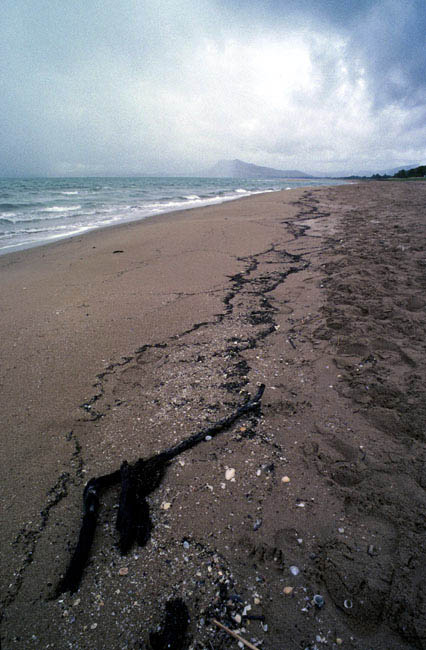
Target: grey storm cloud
[[128, 86]]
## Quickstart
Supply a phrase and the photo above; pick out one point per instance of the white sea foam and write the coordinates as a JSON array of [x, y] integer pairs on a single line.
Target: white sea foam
[[60, 208], [39, 211]]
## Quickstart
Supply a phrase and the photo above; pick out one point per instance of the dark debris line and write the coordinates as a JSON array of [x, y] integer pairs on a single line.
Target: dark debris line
[[137, 482]]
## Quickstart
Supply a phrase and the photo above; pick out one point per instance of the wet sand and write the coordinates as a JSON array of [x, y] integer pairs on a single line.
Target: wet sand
[[120, 343]]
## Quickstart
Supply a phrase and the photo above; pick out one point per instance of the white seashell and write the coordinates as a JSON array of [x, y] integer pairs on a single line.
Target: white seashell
[[230, 473]]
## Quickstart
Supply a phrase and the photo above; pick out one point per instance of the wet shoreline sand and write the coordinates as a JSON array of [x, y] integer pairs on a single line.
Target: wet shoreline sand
[[162, 327]]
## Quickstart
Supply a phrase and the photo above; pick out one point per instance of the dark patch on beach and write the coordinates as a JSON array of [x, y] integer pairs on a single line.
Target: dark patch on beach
[[173, 631]]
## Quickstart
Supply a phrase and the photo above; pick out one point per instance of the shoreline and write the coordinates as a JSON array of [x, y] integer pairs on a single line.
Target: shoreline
[[135, 222], [160, 326], [124, 213]]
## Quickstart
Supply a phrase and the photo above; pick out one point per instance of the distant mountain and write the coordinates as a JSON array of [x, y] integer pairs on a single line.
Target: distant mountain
[[239, 169]]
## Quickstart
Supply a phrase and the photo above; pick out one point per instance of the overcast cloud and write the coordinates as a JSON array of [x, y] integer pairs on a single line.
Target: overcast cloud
[[137, 86]]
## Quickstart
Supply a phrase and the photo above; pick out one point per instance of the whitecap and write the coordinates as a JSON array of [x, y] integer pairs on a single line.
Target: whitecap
[[60, 208]]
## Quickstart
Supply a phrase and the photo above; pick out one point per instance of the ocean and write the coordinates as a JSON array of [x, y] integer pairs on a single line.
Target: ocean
[[40, 210]]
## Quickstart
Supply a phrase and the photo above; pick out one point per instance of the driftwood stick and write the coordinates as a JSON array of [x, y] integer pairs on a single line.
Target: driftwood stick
[[216, 428], [235, 635], [127, 509], [137, 482], [71, 580]]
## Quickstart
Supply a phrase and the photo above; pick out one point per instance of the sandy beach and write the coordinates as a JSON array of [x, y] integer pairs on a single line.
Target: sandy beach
[[120, 343]]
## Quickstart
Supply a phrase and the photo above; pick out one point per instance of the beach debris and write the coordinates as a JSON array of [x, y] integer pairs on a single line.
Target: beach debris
[[285, 479], [348, 604], [230, 473], [257, 524], [318, 601], [137, 482], [341, 530], [339, 641], [165, 505], [288, 590], [294, 570], [172, 633], [235, 635], [123, 571]]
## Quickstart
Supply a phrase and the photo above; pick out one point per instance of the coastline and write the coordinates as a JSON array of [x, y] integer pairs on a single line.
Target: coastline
[[41, 211], [160, 325]]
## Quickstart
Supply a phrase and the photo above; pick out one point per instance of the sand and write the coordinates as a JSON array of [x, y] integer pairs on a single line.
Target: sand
[[120, 343]]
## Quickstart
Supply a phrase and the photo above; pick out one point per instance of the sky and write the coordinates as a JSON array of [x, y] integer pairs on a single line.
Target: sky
[[94, 87]]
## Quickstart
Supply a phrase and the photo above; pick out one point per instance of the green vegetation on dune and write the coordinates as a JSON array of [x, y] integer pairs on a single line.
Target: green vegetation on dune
[[417, 172], [410, 174]]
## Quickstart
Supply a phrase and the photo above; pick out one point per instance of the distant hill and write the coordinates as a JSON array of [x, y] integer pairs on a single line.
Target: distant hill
[[239, 169]]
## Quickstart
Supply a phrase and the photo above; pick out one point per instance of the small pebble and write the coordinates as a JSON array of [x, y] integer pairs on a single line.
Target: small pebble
[[186, 545], [76, 602], [256, 601], [165, 505], [318, 600], [208, 438], [288, 590], [339, 641], [230, 473], [93, 626], [285, 479], [237, 618], [123, 571], [294, 570], [341, 530], [300, 505]]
